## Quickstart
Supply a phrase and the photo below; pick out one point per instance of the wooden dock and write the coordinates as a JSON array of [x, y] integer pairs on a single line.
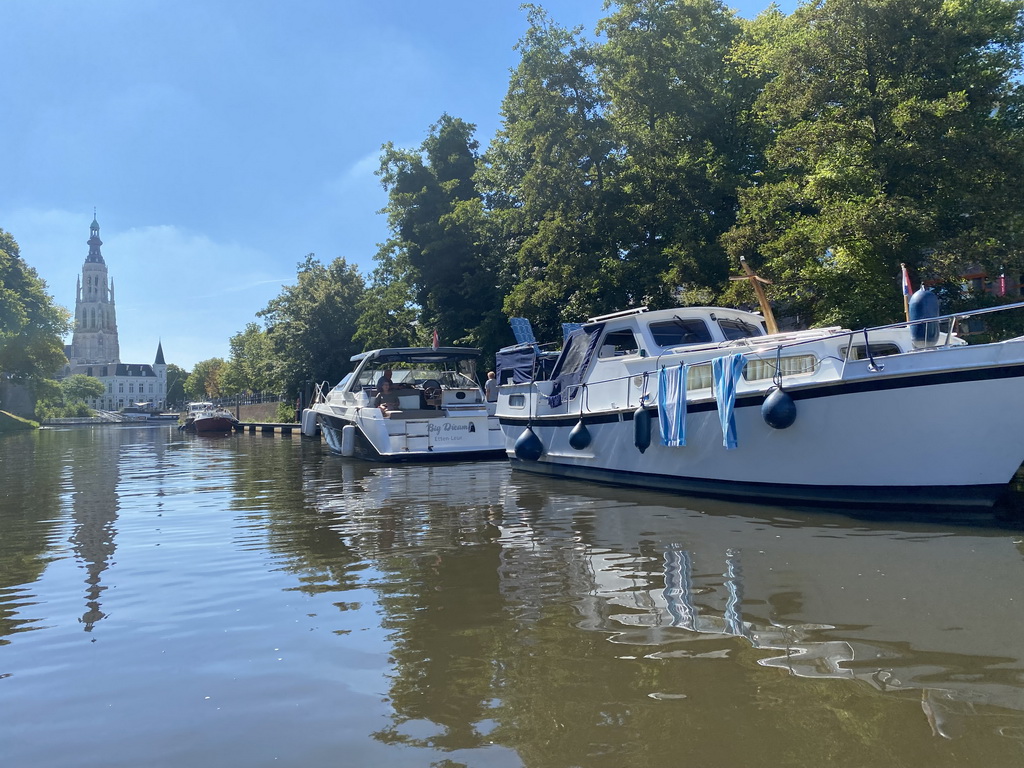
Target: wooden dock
[[268, 428]]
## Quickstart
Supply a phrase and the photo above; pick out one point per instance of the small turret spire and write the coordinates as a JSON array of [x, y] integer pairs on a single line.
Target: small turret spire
[[94, 241]]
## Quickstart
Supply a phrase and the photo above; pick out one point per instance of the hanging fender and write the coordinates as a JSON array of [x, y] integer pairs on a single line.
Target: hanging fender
[[778, 409], [528, 446], [641, 428], [579, 437]]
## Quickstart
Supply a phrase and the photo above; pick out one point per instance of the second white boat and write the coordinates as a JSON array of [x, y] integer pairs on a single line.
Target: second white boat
[[408, 404]]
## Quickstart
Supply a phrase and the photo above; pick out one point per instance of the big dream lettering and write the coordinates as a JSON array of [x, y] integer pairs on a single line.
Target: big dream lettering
[[451, 432]]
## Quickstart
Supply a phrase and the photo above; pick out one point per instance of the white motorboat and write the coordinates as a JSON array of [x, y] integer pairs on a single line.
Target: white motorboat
[[431, 407], [703, 400]]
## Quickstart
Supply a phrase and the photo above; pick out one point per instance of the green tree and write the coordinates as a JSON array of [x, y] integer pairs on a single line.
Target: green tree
[[388, 313], [78, 388], [545, 180], [311, 325], [676, 106], [895, 137], [252, 362], [176, 378], [31, 325], [205, 380], [436, 216]]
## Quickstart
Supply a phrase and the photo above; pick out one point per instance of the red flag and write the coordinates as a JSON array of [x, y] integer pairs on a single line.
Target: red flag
[[907, 289], [436, 342]]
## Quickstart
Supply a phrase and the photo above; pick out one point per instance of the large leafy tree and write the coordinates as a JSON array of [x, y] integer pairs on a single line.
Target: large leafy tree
[[388, 313], [895, 137], [676, 108], [545, 180], [252, 362], [31, 325], [78, 388], [311, 325], [176, 378], [438, 258], [205, 379]]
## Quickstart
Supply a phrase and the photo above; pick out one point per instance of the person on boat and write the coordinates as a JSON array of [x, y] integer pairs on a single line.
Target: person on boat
[[491, 388], [387, 400]]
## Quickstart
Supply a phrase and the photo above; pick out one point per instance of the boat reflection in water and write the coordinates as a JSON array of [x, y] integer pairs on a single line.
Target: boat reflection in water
[[922, 613]]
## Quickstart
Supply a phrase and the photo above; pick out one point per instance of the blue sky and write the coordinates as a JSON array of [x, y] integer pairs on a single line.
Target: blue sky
[[220, 141]]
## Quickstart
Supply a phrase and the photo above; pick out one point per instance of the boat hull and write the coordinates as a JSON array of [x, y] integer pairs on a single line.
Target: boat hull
[[860, 497], [473, 436], [932, 439], [212, 425]]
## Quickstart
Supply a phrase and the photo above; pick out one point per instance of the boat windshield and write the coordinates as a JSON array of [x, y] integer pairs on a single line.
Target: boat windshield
[[342, 385], [451, 374]]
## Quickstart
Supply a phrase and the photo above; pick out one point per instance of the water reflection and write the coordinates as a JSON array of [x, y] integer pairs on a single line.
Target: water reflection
[[29, 521], [92, 480], [910, 610], [471, 616]]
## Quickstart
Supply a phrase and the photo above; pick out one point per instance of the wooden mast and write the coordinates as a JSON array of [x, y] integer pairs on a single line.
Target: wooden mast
[[756, 281]]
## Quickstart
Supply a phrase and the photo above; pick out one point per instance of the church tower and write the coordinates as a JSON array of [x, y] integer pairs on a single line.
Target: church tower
[[95, 337]]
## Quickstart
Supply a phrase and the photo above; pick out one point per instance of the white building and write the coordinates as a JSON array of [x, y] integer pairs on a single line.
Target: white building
[[94, 349]]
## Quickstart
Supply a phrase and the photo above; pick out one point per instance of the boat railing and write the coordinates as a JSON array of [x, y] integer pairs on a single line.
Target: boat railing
[[777, 344], [320, 392]]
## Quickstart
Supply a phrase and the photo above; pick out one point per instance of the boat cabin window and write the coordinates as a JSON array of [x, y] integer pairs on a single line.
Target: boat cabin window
[[678, 332], [791, 365], [877, 350], [734, 328], [618, 344], [698, 376]]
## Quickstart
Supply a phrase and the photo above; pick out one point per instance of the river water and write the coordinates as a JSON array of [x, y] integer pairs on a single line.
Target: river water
[[251, 600]]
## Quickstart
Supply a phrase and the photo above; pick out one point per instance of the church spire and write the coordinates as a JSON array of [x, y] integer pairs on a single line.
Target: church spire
[[95, 336], [94, 241]]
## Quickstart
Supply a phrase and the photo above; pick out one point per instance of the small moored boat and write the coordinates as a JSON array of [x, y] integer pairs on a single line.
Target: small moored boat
[[408, 404], [207, 418]]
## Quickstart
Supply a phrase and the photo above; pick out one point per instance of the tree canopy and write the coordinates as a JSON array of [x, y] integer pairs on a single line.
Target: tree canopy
[[31, 325], [205, 381], [311, 325], [176, 378], [894, 137], [440, 259], [79, 388], [639, 165]]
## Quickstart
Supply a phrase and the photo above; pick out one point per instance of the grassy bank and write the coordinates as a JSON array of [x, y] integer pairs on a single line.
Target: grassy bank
[[11, 423]]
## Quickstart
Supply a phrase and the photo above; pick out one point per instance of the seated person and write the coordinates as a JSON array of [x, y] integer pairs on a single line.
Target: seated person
[[388, 378], [386, 400]]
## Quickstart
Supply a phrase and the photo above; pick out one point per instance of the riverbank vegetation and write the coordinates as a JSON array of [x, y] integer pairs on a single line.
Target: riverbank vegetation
[[637, 165], [11, 423]]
